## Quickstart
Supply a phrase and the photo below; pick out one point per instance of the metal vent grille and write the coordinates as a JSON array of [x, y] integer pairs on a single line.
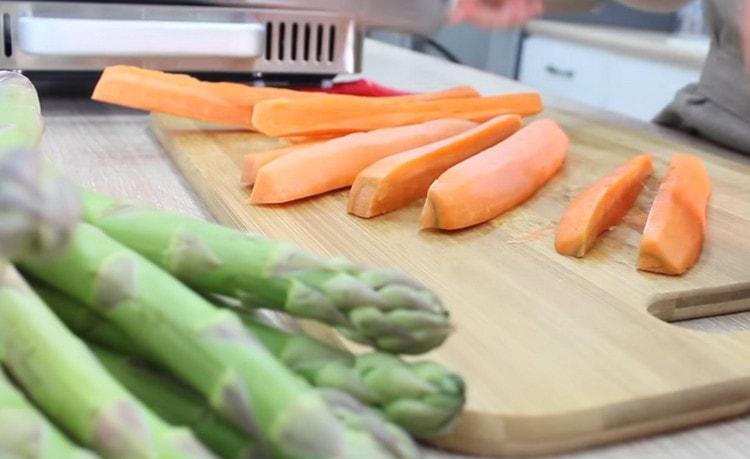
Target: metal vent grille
[[7, 37], [300, 42]]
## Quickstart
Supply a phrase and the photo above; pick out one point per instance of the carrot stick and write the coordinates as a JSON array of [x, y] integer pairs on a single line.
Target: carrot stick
[[225, 103], [676, 227], [183, 95], [290, 117], [252, 162], [601, 206], [306, 139], [496, 180], [397, 180], [335, 164]]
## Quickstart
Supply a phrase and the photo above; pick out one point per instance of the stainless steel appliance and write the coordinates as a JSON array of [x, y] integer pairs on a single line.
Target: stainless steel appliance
[[293, 37]]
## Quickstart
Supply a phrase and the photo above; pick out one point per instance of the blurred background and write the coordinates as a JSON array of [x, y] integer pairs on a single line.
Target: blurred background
[[616, 58]]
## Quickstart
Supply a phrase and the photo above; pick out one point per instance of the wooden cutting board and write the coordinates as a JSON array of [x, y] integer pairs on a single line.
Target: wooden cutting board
[[558, 353]]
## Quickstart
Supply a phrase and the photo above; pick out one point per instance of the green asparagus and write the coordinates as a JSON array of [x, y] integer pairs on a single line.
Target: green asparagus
[[86, 323], [177, 404], [210, 349], [38, 207], [21, 123], [384, 309], [26, 433], [424, 398], [62, 376]]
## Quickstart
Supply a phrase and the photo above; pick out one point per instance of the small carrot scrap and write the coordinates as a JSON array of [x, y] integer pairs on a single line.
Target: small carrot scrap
[[676, 227], [492, 182], [224, 103], [601, 206], [252, 162], [290, 117], [397, 180], [334, 164]]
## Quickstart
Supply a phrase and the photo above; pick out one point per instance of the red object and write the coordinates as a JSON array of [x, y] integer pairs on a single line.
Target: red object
[[362, 87]]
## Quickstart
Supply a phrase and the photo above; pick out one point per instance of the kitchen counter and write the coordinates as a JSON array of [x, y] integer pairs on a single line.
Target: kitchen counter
[[685, 50], [111, 150]]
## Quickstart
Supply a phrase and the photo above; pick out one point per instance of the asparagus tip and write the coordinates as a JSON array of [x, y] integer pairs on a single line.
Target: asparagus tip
[[390, 440]]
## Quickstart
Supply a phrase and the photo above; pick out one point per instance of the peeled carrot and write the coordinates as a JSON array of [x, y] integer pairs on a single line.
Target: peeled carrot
[[225, 103], [290, 117], [335, 164], [397, 180], [183, 95], [306, 139], [676, 227], [252, 162], [496, 180], [601, 206]]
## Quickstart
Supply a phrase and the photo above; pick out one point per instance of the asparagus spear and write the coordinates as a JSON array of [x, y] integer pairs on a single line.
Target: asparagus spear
[[54, 367], [177, 404], [38, 207], [384, 309], [21, 123], [66, 381], [210, 349], [424, 398], [26, 433]]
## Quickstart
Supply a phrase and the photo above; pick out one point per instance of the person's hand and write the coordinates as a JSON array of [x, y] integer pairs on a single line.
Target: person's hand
[[746, 34], [497, 13]]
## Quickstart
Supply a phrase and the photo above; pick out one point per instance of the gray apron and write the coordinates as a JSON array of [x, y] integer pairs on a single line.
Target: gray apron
[[718, 107]]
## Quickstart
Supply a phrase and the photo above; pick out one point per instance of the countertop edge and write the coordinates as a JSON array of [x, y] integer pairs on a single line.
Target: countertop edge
[[644, 44]]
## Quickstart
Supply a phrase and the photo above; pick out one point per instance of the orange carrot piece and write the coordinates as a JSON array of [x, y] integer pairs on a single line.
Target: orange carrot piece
[[183, 95], [397, 180], [676, 227], [335, 164], [496, 180], [289, 117], [306, 139], [225, 103], [601, 206], [252, 162]]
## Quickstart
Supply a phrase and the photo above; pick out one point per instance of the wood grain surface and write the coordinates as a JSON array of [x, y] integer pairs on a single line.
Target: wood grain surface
[[110, 150], [577, 356]]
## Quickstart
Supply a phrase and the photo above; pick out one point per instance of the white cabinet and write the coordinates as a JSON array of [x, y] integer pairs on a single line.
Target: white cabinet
[[635, 86]]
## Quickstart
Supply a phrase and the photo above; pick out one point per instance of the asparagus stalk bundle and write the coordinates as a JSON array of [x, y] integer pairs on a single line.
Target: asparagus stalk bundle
[[424, 397], [210, 349], [177, 404], [52, 365], [21, 123], [62, 376], [26, 433], [384, 309]]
